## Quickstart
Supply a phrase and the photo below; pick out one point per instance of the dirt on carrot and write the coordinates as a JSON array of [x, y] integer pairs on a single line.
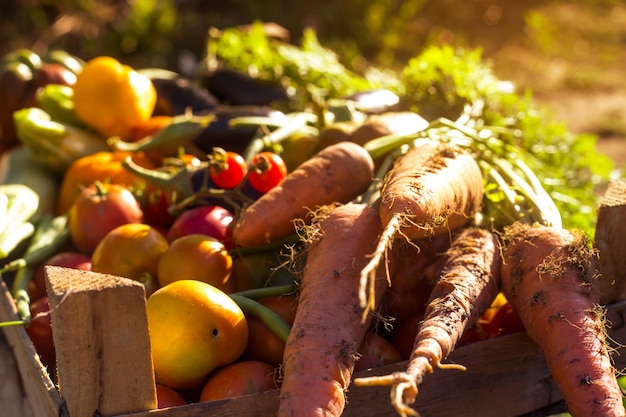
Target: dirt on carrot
[[467, 284], [322, 347], [550, 278], [435, 188]]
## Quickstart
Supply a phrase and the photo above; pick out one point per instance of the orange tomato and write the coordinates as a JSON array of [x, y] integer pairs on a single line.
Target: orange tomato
[[240, 378], [194, 329], [167, 397], [101, 166], [376, 351], [131, 251], [197, 257], [263, 344]]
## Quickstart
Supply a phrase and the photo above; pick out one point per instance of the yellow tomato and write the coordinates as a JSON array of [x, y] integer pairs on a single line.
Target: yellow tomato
[[194, 329], [198, 257], [131, 251], [113, 98]]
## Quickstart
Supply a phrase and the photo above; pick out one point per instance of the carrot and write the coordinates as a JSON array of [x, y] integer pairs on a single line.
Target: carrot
[[432, 189], [323, 343], [336, 174], [550, 278], [467, 284]]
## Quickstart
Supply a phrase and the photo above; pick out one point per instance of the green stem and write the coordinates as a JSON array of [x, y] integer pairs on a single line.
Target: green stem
[[179, 132], [265, 292], [12, 323], [295, 123], [270, 318]]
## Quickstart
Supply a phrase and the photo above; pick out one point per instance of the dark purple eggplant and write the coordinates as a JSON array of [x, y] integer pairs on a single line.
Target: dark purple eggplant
[[221, 134], [235, 88], [375, 101], [176, 93]]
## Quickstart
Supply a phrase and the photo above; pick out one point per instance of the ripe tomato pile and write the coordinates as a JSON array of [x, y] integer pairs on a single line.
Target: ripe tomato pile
[[150, 210]]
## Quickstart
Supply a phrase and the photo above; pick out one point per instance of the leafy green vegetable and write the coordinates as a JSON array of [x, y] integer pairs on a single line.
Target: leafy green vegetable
[[442, 81], [310, 73]]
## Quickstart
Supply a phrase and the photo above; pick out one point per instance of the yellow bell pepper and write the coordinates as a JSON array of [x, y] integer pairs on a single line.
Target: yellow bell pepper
[[113, 98]]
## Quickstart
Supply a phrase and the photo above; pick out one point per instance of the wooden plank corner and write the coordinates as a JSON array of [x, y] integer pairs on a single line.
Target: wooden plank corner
[[100, 332]]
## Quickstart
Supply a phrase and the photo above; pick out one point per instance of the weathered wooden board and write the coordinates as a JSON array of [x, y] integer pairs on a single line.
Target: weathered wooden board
[[506, 376], [41, 394]]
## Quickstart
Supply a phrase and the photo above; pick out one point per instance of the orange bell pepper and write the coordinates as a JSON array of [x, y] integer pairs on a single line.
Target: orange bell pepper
[[100, 166]]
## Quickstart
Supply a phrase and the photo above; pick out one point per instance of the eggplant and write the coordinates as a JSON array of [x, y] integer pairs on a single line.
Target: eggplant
[[176, 94], [238, 89], [219, 133]]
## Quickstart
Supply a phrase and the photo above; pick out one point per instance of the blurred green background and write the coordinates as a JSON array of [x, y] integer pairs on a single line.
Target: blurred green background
[[569, 53]]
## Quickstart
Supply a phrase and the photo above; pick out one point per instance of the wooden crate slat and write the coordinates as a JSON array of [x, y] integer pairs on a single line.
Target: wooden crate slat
[[43, 397], [100, 331]]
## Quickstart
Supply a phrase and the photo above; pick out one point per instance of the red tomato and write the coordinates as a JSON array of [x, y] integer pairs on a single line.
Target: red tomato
[[376, 351], [213, 221], [100, 208], [69, 259], [268, 171], [504, 321], [227, 169], [40, 331], [155, 209]]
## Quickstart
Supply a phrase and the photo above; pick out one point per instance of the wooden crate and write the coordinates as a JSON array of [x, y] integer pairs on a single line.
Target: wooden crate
[[98, 375], [506, 376]]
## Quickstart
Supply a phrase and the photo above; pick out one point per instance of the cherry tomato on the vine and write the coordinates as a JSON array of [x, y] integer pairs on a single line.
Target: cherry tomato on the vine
[[227, 169], [268, 170]]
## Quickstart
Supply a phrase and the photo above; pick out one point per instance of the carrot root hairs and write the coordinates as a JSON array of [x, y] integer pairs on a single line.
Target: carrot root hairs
[[467, 284], [433, 189], [321, 350], [550, 278]]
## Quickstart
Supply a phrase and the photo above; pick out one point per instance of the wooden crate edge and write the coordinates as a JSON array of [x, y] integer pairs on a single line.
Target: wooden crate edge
[[40, 390], [484, 389]]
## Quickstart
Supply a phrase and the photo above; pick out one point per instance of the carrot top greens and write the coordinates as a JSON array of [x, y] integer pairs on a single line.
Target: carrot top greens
[[535, 169]]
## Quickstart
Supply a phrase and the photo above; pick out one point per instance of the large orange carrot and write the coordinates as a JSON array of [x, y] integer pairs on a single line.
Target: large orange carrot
[[432, 189], [336, 174], [550, 278], [467, 284], [323, 343]]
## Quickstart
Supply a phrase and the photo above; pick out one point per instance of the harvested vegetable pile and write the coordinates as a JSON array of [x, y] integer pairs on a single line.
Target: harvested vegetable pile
[[297, 177]]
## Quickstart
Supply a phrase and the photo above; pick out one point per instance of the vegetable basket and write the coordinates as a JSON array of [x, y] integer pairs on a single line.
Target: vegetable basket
[[110, 373]]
